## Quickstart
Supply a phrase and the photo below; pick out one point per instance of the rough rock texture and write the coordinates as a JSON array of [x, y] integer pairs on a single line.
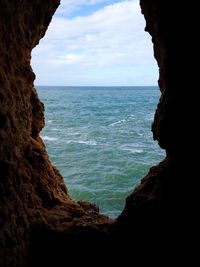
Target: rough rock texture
[[166, 201], [39, 222], [31, 190]]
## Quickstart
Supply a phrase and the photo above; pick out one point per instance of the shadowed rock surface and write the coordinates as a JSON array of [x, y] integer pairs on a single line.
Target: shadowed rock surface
[[39, 222]]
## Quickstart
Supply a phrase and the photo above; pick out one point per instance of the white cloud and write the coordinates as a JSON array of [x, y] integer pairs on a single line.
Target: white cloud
[[69, 6], [110, 40]]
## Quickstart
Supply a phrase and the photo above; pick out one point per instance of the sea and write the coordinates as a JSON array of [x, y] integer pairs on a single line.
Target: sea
[[100, 140]]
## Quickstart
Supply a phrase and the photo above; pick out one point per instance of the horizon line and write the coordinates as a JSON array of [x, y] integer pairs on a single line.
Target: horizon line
[[97, 85]]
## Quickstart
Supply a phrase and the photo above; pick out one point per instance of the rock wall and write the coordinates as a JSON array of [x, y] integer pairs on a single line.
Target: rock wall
[[39, 222], [165, 201], [31, 190]]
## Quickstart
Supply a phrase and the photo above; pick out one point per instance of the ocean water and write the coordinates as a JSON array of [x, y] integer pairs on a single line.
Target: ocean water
[[101, 141]]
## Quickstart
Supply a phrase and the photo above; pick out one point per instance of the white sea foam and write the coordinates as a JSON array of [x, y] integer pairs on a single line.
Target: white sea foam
[[48, 138], [75, 133], [89, 142], [134, 149], [117, 122], [132, 116]]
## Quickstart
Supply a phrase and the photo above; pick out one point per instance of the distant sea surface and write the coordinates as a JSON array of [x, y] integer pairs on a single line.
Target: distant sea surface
[[101, 141]]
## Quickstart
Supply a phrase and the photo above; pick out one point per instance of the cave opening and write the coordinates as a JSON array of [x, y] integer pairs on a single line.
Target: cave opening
[[97, 78], [39, 222]]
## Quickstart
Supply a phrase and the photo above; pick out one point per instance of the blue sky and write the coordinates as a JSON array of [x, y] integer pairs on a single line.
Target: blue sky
[[96, 43]]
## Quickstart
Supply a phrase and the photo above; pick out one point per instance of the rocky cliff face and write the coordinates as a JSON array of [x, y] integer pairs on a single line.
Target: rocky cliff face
[[163, 205], [31, 190], [38, 220]]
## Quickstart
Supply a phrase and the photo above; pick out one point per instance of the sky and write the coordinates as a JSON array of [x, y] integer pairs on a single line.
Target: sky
[[96, 43]]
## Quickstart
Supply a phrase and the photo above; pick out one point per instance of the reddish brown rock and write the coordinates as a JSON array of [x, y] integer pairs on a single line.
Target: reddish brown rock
[[165, 202], [32, 191]]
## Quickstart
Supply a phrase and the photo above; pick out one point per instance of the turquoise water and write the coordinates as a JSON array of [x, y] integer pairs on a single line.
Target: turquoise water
[[100, 140]]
